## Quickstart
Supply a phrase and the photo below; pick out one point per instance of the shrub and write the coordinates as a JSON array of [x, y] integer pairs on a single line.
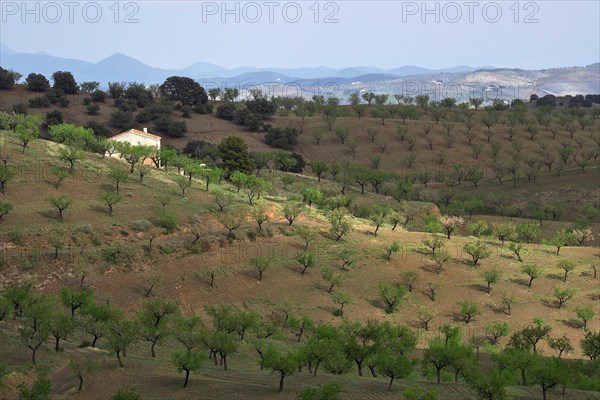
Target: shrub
[[20, 108], [99, 129], [39, 102], [84, 228], [226, 111], [16, 236], [140, 225], [283, 138], [98, 96], [54, 117], [93, 109], [169, 221]]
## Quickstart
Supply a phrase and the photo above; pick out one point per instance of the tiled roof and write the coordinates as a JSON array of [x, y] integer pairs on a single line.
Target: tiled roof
[[137, 132]]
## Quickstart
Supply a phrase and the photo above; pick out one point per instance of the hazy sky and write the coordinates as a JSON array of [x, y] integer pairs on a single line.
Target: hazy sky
[[308, 33]]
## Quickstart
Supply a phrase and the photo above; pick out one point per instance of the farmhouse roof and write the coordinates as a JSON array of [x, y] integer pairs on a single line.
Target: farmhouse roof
[[137, 132]]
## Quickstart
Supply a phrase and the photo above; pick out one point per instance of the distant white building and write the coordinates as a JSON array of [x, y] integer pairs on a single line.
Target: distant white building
[[136, 137]]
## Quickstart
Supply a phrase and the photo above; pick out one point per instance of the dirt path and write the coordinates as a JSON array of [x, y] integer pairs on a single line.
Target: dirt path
[[63, 378]]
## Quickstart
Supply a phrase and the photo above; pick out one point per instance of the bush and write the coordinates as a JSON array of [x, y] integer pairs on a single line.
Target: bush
[[116, 254], [169, 221], [203, 109], [54, 95], [226, 111], [141, 225], [283, 138], [122, 120], [16, 236], [127, 394], [54, 117], [84, 228], [39, 102], [126, 104], [64, 102], [93, 109], [99, 129], [98, 96], [173, 128], [20, 108], [327, 391], [166, 249]]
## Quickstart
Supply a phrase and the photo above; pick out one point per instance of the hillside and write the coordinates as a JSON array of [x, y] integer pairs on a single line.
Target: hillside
[[91, 238], [387, 232]]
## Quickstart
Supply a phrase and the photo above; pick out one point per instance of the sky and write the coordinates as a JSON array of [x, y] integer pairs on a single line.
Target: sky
[[288, 34]]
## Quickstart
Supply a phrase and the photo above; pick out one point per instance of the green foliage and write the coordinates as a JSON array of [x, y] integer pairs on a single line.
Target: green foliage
[[392, 295], [585, 314], [184, 90], [491, 276], [563, 295], [468, 310], [169, 221], [40, 390], [140, 225], [391, 249], [532, 271], [61, 203], [326, 391], [110, 198], [567, 266], [416, 392], [478, 251], [5, 208], [234, 155], [590, 345], [504, 231], [64, 81], [283, 138], [489, 385], [127, 394]]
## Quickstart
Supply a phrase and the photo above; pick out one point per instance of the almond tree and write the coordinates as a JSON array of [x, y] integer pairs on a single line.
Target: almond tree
[[122, 333], [261, 264], [409, 278], [567, 266], [468, 310], [110, 198], [154, 318], [563, 295], [284, 363], [532, 271], [451, 223], [392, 295], [496, 330], [81, 369], [585, 314], [61, 203], [188, 361], [491, 276]]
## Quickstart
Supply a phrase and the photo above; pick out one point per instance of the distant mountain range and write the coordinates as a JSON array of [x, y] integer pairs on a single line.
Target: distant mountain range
[[460, 81], [120, 67]]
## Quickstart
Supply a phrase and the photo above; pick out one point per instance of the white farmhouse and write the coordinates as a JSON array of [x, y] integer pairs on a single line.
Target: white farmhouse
[[136, 137]]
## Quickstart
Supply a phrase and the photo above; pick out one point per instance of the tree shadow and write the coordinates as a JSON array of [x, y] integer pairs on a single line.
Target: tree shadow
[[99, 209], [573, 323], [550, 303], [478, 287], [520, 281], [50, 214], [497, 309], [432, 269], [558, 277], [594, 296]]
